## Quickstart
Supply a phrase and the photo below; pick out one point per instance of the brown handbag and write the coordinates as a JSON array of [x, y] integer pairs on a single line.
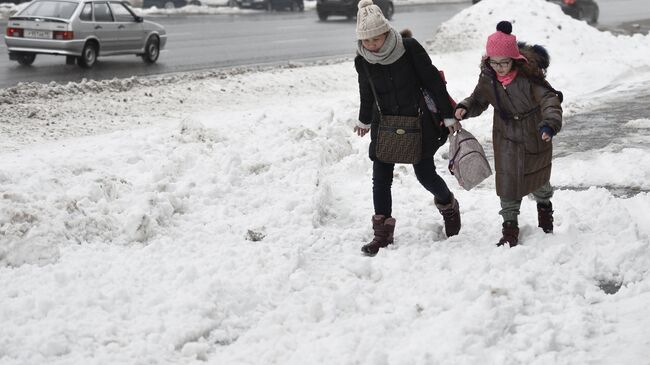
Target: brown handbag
[[399, 138]]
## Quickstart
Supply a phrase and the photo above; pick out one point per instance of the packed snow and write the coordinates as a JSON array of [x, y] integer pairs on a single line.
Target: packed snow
[[218, 217]]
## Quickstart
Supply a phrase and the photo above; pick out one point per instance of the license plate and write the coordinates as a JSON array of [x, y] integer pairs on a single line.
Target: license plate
[[42, 34]]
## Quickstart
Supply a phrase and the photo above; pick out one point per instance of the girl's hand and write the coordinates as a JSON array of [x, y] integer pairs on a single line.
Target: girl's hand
[[361, 131], [455, 128], [460, 113], [546, 137]]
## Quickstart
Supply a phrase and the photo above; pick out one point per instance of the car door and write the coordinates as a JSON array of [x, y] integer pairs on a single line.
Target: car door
[[130, 32], [104, 27]]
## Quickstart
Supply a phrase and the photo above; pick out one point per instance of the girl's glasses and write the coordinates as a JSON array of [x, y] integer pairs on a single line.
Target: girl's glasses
[[502, 64]]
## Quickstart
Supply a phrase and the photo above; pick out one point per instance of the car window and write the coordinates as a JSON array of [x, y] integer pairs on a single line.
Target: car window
[[121, 13], [103, 13], [50, 9], [86, 13]]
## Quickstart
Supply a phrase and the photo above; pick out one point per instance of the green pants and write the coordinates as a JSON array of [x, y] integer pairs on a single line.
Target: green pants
[[510, 208]]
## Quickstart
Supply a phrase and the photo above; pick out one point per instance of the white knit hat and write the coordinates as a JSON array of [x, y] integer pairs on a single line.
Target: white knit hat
[[370, 20]]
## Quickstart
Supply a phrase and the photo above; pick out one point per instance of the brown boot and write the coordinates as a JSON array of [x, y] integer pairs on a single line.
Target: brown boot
[[384, 228], [510, 234], [451, 214], [545, 217]]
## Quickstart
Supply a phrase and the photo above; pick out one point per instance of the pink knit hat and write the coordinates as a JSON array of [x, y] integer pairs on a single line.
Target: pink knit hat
[[503, 44]]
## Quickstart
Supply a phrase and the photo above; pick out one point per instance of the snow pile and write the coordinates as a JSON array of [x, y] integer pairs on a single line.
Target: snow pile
[[219, 218]]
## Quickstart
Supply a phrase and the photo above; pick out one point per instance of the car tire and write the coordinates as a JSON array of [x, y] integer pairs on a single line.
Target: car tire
[[322, 16], [269, 6], [169, 5], [594, 16], [26, 59], [388, 14], [195, 2], [151, 50], [88, 56]]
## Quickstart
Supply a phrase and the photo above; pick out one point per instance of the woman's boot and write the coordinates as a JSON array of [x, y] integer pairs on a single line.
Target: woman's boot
[[451, 214], [510, 234], [545, 217], [384, 228]]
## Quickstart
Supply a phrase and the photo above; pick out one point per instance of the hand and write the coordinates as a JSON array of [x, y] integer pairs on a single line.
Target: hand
[[361, 131], [460, 113], [455, 128], [546, 137]]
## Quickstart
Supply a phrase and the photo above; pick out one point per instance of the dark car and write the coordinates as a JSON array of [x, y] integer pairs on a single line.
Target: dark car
[[348, 8], [269, 5], [580, 9], [168, 4]]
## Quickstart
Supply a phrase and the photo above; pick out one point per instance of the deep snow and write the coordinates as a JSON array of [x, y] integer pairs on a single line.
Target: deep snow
[[218, 216]]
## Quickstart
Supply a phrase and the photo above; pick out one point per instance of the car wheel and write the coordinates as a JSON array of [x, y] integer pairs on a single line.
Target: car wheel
[[26, 59], [88, 56], [151, 50], [169, 5], [232, 3], [195, 2], [389, 12], [269, 6], [322, 16], [594, 16]]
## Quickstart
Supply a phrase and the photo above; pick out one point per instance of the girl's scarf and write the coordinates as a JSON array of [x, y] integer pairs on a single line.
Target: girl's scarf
[[390, 52], [506, 79]]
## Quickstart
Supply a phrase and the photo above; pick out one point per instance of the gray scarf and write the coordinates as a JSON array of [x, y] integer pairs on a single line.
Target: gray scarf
[[390, 52]]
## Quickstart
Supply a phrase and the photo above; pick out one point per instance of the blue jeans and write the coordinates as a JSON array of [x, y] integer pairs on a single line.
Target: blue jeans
[[425, 171]]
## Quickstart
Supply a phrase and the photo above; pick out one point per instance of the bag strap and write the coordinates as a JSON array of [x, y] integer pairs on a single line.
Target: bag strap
[[372, 86]]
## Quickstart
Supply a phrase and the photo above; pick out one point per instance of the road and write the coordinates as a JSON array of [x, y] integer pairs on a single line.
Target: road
[[201, 42]]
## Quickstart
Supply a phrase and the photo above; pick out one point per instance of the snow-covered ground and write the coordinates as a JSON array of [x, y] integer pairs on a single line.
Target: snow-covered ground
[[218, 216]]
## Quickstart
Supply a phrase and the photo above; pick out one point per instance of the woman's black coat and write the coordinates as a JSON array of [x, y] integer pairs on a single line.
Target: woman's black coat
[[398, 89]]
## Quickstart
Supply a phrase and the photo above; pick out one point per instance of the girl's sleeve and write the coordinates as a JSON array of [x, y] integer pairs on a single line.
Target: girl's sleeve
[[476, 103], [550, 106], [367, 98]]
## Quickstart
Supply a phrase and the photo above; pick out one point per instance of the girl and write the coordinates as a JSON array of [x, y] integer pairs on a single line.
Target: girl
[[527, 114]]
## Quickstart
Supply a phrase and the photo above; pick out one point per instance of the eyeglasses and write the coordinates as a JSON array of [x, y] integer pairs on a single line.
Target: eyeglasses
[[502, 64]]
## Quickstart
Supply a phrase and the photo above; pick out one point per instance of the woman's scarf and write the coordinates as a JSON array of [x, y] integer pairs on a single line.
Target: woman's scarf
[[390, 52], [506, 79]]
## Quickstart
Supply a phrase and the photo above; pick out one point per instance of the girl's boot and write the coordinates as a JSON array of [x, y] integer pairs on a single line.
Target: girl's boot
[[384, 229], [510, 234], [545, 217], [451, 214]]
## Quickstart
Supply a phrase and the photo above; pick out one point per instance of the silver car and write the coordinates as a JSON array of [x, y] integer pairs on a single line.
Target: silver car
[[82, 30]]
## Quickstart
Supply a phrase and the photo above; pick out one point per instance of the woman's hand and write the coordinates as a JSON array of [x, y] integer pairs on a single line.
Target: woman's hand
[[546, 137], [460, 113], [361, 131], [455, 128]]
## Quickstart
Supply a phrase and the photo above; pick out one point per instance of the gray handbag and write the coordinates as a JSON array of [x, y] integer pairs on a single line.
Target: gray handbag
[[467, 161]]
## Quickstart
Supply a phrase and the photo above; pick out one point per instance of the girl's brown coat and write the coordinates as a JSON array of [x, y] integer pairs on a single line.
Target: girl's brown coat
[[522, 160]]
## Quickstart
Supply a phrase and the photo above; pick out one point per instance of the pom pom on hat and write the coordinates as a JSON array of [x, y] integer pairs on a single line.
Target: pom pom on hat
[[364, 3], [370, 20], [504, 27]]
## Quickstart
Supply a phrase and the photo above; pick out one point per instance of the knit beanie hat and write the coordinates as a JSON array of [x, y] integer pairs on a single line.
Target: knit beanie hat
[[370, 20], [503, 44]]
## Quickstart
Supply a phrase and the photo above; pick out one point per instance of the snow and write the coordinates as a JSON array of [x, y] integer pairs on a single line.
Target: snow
[[217, 217]]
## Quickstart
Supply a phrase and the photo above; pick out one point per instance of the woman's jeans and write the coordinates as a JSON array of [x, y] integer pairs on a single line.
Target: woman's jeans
[[425, 171], [510, 208]]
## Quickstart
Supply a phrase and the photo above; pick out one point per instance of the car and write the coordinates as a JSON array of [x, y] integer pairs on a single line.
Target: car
[[348, 8], [270, 5], [579, 9], [82, 30], [168, 4]]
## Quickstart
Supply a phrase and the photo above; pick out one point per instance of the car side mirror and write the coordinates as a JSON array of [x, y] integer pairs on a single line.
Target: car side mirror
[[139, 19]]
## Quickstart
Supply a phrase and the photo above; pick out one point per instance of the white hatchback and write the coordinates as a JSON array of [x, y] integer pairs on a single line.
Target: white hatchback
[[82, 30]]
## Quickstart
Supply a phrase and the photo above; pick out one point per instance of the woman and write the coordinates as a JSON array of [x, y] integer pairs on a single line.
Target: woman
[[527, 114], [398, 68]]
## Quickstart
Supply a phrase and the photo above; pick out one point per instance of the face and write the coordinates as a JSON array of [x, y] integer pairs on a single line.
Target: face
[[502, 65], [374, 44]]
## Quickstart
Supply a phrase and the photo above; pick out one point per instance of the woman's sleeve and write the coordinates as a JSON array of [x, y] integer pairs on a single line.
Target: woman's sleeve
[[431, 79], [366, 96]]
